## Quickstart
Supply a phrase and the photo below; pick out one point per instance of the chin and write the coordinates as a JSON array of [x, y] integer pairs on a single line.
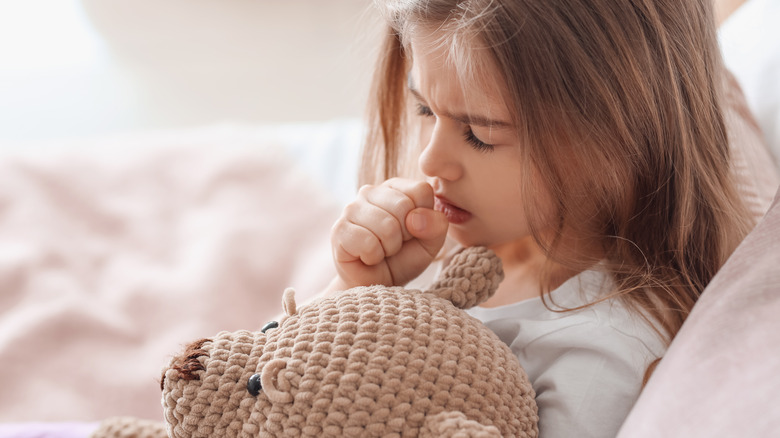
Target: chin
[[466, 239]]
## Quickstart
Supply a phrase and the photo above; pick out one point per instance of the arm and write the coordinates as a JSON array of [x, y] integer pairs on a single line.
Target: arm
[[591, 375]]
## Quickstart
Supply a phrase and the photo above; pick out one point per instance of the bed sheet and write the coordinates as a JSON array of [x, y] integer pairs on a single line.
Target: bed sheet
[[114, 252]]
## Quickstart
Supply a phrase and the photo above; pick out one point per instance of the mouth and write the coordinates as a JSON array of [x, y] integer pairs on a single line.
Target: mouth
[[455, 215]]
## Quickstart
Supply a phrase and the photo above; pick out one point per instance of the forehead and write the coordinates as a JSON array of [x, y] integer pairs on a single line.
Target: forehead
[[448, 70]]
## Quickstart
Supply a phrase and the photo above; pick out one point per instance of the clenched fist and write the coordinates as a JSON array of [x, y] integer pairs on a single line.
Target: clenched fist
[[388, 235]]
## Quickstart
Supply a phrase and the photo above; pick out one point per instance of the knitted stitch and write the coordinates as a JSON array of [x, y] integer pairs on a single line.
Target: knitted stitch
[[456, 425], [127, 427], [369, 361]]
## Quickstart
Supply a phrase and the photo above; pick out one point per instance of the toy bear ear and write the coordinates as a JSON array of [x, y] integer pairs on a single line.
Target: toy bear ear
[[288, 302], [471, 277]]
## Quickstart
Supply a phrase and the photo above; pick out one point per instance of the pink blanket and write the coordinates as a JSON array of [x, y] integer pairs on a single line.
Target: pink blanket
[[116, 253]]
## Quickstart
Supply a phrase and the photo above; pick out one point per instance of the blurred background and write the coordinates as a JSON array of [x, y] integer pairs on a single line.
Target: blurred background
[[75, 68], [85, 68]]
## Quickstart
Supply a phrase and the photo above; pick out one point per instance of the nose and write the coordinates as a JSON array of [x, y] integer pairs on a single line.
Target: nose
[[439, 158]]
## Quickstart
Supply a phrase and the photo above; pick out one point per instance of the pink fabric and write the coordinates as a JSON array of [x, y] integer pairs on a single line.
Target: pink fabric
[[112, 257], [721, 375], [47, 430]]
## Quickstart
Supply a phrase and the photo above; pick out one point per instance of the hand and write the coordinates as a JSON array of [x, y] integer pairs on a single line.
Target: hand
[[388, 235]]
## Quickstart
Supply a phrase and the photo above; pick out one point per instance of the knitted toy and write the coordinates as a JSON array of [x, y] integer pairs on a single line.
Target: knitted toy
[[368, 361]]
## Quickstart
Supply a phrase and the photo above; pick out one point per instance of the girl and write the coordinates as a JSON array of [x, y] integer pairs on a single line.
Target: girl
[[583, 141]]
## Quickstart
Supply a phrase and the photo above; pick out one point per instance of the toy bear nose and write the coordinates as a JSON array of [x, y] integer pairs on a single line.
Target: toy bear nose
[[270, 325]]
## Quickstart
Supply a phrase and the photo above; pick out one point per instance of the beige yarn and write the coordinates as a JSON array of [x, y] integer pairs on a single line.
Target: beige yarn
[[126, 427], [456, 425], [369, 361]]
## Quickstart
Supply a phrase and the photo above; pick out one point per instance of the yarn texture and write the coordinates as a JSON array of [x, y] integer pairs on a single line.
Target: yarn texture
[[368, 361], [128, 427]]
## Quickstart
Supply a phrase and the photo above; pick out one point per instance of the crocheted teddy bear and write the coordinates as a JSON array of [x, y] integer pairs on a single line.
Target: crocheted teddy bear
[[368, 361]]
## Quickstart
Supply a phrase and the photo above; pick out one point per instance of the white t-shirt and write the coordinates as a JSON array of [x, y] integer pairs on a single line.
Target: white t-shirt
[[587, 365]]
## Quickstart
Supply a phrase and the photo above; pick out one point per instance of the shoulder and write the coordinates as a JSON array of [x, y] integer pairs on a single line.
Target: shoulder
[[585, 365], [607, 327], [550, 326]]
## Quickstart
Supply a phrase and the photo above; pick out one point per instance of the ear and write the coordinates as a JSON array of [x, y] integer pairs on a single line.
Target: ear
[[451, 424], [288, 302], [471, 277]]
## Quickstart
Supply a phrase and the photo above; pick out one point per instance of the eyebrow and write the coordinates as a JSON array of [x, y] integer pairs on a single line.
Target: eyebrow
[[467, 119]]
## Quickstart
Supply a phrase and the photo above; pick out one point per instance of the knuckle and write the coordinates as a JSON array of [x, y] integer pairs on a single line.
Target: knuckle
[[403, 205], [365, 189], [337, 230], [373, 252], [387, 228], [423, 188], [351, 210], [341, 254]]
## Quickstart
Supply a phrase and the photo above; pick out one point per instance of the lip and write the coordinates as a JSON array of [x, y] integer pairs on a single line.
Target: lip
[[454, 214]]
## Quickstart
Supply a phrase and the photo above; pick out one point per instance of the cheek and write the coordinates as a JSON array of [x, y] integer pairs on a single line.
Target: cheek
[[542, 211], [511, 211], [516, 207]]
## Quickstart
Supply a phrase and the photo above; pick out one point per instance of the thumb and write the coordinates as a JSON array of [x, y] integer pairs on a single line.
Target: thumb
[[429, 227]]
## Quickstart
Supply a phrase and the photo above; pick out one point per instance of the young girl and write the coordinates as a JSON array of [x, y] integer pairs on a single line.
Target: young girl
[[582, 140]]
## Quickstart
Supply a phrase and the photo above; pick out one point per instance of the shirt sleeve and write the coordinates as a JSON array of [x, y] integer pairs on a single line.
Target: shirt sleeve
[[591, 376]]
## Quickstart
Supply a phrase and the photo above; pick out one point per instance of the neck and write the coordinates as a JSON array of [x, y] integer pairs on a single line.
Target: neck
[[524, 263]]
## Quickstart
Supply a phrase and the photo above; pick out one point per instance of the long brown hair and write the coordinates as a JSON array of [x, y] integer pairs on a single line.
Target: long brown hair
[[617, 105]]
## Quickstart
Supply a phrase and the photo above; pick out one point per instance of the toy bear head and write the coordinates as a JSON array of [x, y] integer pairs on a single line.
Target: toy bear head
[[368, 361]]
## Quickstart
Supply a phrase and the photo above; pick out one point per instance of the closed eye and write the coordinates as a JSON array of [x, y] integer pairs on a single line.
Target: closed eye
[[424, 111], [475, 142]]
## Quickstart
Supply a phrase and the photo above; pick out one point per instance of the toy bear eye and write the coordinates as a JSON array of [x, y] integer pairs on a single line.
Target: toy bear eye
[[254, 386], [270, 325]]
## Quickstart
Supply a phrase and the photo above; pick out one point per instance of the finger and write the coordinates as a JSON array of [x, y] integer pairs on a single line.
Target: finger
[[420, 192], [358, 274], [380, 222], [429, 227], [353, 243], [416, 254], [399, 196], [394, 202]]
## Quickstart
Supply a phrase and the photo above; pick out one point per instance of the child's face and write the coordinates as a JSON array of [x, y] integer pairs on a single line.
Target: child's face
[[470, 152]]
